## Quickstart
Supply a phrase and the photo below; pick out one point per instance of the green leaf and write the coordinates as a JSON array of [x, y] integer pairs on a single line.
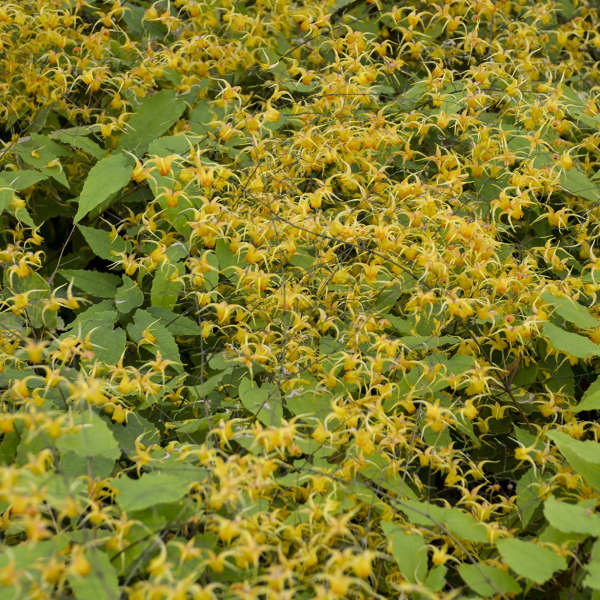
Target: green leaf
[[39, 290], [94, 438], [584, 457], [428, 342], [211, 278], [200, 117], [530, 560], [165, 287], [461, 524], [572, 518], [588, 450], [592, 579], [101, 313], [304, 260], [454, 97], [38, 151], [209, 385], [571, 343], [6, 196], [576, 101], [579, 184], [413, 96], [409, 551], [567, 8], [465, 525], [221, 361], [95, 283], [60, 488], [21, 180], [571, 311], [128, 296], [402, 326], [488, 581], [102, 244], [309, 400], [423, 513], [150, 489], [176, 324], [22, 214], [136, 426], [264, 401], [414, 381], [108, 344], [386, 300], [81, 142], [542, 159], [593, 568], [105, 178], [165, 342], [172, 144], [154, 117], [551, 535], [299, 87], [101, 583], [436, 578], [8, 448], [377, 470], [29, 552], [591, 398], [74, 466], [527, 496], [177, 251], [226, 257]]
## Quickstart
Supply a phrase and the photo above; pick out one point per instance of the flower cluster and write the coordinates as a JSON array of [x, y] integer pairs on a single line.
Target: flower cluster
[[299, 299]]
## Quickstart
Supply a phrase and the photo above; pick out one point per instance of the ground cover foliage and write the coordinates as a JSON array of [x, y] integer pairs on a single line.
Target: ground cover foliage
[[299, 299]]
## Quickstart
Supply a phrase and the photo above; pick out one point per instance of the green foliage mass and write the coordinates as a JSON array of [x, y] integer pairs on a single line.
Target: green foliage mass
[[299, 299]]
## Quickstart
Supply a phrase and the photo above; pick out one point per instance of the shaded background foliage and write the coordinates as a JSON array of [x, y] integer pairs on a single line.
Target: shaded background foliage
[[299, 299]]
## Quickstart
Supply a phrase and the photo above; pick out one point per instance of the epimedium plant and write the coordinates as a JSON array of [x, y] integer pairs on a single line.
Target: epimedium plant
[[299, 300]]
